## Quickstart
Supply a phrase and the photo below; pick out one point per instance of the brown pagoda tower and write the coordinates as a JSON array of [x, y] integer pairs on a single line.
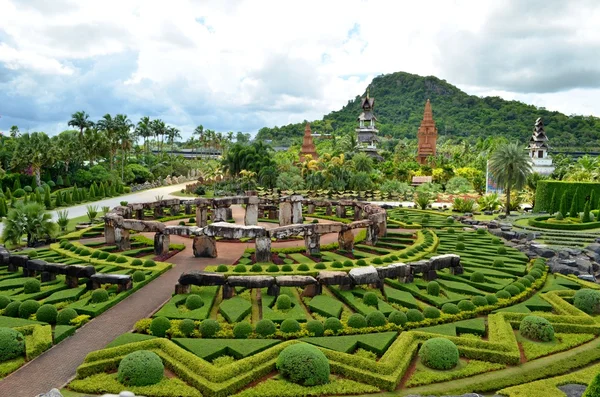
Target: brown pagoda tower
[[427, 136], [308, 147]]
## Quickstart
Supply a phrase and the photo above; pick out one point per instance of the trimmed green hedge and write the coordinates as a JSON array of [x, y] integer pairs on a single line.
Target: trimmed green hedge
[[545, 190], [542, 224]]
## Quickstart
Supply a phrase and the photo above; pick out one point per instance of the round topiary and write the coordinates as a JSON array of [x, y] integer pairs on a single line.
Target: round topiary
[[242, 330], [4, 301], [537, 328], [348, 263], [333, 324], [187, 326], [477, 277], [120, 259], [138, 276], [315, 327], [433, 288], [466, 306], [65, 316], [491, 299], [12, 309], [31, 286], [240, 268], [289, 325], [111, 258], [460, 246], [535, 273], [376, 319], [272, 268], [208, 328], [525, 282], [370, 299], [503, 294], [431, 312], [28, 308], [587, 300], [479, 301], [530, 278], [141, 368], [149, 263], [136, 262], [337, 264], [397, 317], [498, 263], [361, 262], [413, 316], [102, 255], [502, 250], [593, 389], [450, 308], [439, 353], [12, 344], [357, 321], [320, 266], [512, 290], [99, 295], [283, 302], [46, 313], [159, 326], [377, 261], [193, 302], [303, 364], [480, 231], [519, 285], [496, 240], [451, 231], [265, 327], [303, 267], [286, 268], [222, 268], [460, 237]]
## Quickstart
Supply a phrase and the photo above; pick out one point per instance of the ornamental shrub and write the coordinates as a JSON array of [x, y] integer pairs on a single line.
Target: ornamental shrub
[[65, 316], [480, 231], [289, 325], [28, 308], [283, 302], [377, 261], [451, 231], [503, 294], [370, 299], [141, 368], [286, 268], [149, 263], [376, 319], [537, 328], [525, 282], [431, 312], [47, 313], [530, 278], [271, 269], [477, 277], [222, 268], [397, 317], [361, 262], [160, 326], [265, 327], [466, 306], [433, 288], [208, 328], [512, 290], [502, 250], [101, 255], [187, 326], [315, 327], [337, 264], [12, 344], [491, 299], [31, 286], [460, 237], [320, 266], [239, 268], [303, 267], [348, 263], [587, 300], [4, 301], [99, 295], [357, 321], [593, 389], [242, 330], [193, 302], [498, 263], [413, 316], [519, 285], [479, 301], [333, 324], [460, 246], [12, 309], [138, 276], [120, 259], [303, 364], [111, 258], [439, 353], [535, 273], [450, 308]]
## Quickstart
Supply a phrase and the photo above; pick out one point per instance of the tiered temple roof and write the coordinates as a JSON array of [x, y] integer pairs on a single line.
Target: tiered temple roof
[[538, 139], [308, 146], [426, 135]]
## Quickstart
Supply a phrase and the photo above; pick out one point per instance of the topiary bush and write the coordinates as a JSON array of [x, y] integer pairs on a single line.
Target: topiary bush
[[526, 282], [498, 263], [519, 285], [99, 295], [491, 299], [333, 324], [138, 276], [480, 231], [496, 240], [159, 326], [413, 315], [337, 264], [460, 237], [4, 301], [103, 255], [537, 328], [242, 330], [357, 320], [377, 261], [502, 250], [12, 344], [265, 327], [450, 308], [289, 325], [361, 262], [12, 309], [28, 308], [111, 258], [303, 267], [283, 302], [593, 389], [397, 317], [348, 263], [535, 273], [503, 294], [376, 319], [193, 302], [272, 268], [222, 268], [431, 312], [477, 277], [466, 306], [286, 268], [240, 268], [587, 300], [460, 246], [433, 288], [303, 364], [208, 328], [46, 313], [315, 327], [479, 301], [140, 368], [65, 316], [320, 266], [31, 286], [136, 262], [512, 290], [439, 353], [149, 263], [120, 259], [187, 326], [370, 299]]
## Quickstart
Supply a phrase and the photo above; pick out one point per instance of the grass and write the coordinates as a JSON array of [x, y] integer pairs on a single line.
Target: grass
[[209, 349], [178, 193]]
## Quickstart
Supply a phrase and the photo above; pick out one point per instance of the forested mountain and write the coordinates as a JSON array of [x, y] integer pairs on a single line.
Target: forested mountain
[[399, 101]]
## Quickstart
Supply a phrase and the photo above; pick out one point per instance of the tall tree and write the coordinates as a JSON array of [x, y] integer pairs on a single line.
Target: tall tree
[[144, 131], [67, 147], [34, 150], [510, 166], [80, 120]]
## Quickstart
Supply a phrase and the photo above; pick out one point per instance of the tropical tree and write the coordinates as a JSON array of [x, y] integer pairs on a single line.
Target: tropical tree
[[14, 131], [144, 131], [67, 147], [159, 128], [28, 219], [362, 162], [33, 150], [510, 166], [80, 120]]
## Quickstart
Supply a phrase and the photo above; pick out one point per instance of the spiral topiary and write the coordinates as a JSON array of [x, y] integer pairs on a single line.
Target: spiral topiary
[[479, 301], [413, 315], [12, 344], [433, 288], [587, 300], [431, 312], [242, 330], [31, 286], [376, 319], [159, 326], [138, 276], [397, 317], [315, 327], [333, 324], [47, 313], [187, 326], [65, 316], [141, 368], [265, 327], [283, 302], [370, 299], [537, 328], [466, 306], [289, 325], [99, 295], [303, 364], [450, 308], [28, 308], [357, 320], [193, 302], [439, 353], [209, 328]]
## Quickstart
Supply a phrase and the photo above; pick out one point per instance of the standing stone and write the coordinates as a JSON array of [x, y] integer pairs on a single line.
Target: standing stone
[[340, 211], [122, 239], [263, 249], [346, 240], [372, 234], [161, 244], [251, 216], [312, 243], [174, 210], [285, 213], [219, 214], [188, 208], [139, 214], [158, 212], [205, 247], [273, 214], [357, 213], [297, 209], [228, 213], [109, 234], [311, 208], [328, 210], [201, 216]]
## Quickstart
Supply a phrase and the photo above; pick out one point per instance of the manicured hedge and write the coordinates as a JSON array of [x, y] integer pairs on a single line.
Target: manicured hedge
[[545, 190]]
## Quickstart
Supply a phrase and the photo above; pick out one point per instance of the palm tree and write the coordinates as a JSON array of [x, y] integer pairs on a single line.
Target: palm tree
[[510, 166], [34, 150], [144, 131], [159, 128], [200, 132], [14, 131], [28, 219], [80, 120]]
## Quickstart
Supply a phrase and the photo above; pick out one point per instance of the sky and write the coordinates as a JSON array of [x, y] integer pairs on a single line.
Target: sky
[[239, 65]]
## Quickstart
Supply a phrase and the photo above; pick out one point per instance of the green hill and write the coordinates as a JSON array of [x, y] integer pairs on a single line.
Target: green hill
[[400, 99]]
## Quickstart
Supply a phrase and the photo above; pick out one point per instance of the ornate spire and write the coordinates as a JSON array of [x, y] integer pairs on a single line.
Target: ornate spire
[[427, 135], [308, 146], [428, 114], [368, 92]]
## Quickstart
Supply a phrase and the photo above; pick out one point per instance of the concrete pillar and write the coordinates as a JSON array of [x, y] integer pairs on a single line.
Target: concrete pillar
[[109, 234], [188, 208], [340, 211], [346, 240], [251, 216], [312, 242], [201, 216], [263, 249], [219, 214], [205, 247], [161, 243], [122, 239], [285, 213], [297, 209]]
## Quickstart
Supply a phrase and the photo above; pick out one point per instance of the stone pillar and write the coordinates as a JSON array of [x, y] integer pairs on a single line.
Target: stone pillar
[[312, 242], [109, 234], [72, 281], [158, 212], [357, 213], [311, 208], [382, 227], [430, 275], [188, 208], [228, 291], [340, 211], [372, 234], [205, 247], [263, 249], [139, 214], [273, 290], [273, 214], [297, 209], [328, 210], [122, 239], [251, 216], [174, 210], [122, 287], [228, 213], [456, 270], [182, 289], [201, 216], [161, 243], [285, 213], [312, 290], [219, 214], [47, 276], [346, 240]]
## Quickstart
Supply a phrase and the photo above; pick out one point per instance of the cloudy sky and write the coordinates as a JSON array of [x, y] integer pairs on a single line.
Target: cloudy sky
[[240, 65]]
